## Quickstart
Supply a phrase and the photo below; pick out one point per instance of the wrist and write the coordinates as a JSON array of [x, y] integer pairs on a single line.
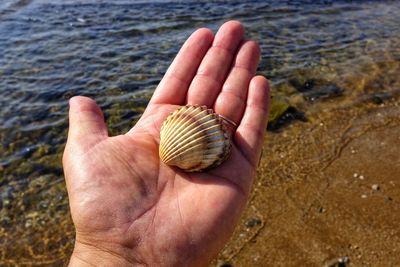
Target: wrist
[[90, 255]]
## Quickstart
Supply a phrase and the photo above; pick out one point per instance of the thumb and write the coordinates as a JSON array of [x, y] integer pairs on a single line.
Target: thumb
[[86, 122]]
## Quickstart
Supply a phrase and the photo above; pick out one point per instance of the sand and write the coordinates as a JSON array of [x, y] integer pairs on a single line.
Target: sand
[[327, 190]]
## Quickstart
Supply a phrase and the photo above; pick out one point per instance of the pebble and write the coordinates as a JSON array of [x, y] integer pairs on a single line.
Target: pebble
[[256, 257], [253, 222], [363, 196], [7, 203], [375, 187], [224, 264], [337, 262], [359, 176], [28, 223]]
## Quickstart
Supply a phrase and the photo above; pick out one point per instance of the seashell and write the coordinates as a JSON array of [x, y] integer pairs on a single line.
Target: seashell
[[194, 139]]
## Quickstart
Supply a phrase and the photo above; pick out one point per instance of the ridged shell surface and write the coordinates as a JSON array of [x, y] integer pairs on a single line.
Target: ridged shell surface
[[194, 139]]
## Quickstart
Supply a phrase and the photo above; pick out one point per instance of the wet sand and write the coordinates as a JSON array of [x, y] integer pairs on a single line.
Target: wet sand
[[326, 189]]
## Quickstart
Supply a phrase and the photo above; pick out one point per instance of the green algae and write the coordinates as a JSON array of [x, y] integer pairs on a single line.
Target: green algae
[[278, 106], [282, 113]]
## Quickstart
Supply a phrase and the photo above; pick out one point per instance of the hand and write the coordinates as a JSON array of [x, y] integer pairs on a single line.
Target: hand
[[128, 207]]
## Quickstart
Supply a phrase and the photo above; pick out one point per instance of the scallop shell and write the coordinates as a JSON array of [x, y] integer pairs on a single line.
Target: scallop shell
[[194, 139]]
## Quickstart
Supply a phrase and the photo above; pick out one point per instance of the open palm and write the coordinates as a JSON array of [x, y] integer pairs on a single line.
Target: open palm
[[130, 208]]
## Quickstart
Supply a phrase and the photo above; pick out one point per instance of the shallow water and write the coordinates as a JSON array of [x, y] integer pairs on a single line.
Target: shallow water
[[317, 55]]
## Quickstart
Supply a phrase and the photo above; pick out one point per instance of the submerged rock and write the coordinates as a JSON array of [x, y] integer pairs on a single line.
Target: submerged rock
[[302, 86], [282, 113], [316, 89], [379, 98]]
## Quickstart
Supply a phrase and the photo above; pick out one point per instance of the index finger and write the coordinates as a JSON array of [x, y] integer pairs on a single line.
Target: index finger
[[175, 83]]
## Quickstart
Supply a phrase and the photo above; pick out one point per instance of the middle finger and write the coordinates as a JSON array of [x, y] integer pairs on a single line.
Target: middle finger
[[215, 65]]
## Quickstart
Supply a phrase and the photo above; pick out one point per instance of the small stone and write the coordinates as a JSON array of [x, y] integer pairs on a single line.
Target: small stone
[[355, 175], [225, 264], [375, 187], [337, 262], [28, 223], [361, 177], [344, 260], [7, 203], [256, 257], [253, 222], [322, 210], [363, 196], [5, 222], [43, 205]]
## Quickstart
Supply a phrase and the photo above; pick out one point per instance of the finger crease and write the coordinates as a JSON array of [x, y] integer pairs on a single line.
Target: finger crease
[[192, 53], [241, 97], [255, 107], [215, 80], [255, 129], [249, 161], [242, 67], [219, 47], [233, 182], [184, 81]]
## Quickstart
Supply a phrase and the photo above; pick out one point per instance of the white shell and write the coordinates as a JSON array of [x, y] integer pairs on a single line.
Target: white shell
[[194, 139]]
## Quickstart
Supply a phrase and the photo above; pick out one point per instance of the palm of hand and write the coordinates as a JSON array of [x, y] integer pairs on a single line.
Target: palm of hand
[[137, 203]]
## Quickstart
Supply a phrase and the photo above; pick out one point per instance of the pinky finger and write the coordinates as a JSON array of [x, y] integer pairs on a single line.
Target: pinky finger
[[249, 135]]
